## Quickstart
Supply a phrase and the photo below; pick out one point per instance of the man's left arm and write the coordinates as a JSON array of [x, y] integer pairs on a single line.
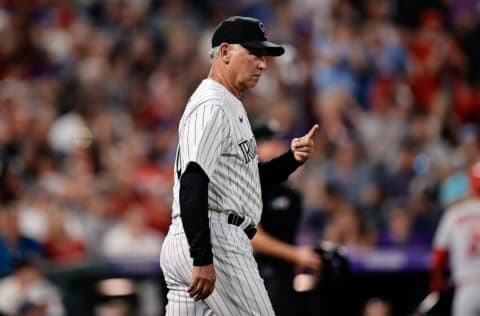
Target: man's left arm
[[278, 169]]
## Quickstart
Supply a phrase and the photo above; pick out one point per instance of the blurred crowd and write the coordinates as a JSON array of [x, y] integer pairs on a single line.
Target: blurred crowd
[[91, 93]]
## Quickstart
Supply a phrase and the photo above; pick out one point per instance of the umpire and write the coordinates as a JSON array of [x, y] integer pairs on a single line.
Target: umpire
[[276, 254]]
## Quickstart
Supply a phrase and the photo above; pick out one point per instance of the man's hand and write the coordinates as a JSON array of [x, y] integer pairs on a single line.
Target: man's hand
[[303, 147], [307, 258], [203, 282]]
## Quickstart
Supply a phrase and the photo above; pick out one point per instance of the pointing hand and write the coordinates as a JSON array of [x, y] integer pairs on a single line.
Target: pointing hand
[[302, 147]]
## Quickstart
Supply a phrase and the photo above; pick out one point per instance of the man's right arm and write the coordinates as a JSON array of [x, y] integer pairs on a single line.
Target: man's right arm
[[194, 214], [200, 144]]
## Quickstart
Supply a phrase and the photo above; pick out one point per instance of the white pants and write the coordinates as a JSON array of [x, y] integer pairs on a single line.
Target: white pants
[[466, 301], [239, 289]]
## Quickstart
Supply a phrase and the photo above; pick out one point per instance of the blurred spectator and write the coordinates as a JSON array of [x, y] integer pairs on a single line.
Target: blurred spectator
[[431, 159], [316, 220], [382, 127], [338, 221], [349, 172], [66, 132], [26, 290], [434, 55], [330, 108], [14, 246], [92, 221], [424, 210], [340, 58], [33, 214], [396, 179], [399, 230], [132, 238], [61, 246], [349, 229], [384, 43]]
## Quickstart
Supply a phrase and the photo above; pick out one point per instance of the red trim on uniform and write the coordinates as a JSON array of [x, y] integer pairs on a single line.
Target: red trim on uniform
[[439, 261]]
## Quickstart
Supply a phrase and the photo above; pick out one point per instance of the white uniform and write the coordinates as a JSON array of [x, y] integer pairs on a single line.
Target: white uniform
[[215, 133], [459, 234]]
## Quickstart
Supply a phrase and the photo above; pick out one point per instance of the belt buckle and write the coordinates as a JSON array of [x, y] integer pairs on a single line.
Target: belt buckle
[[236, 220]]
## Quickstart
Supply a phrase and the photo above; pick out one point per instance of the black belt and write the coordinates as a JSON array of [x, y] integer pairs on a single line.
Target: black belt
[[236, 220]]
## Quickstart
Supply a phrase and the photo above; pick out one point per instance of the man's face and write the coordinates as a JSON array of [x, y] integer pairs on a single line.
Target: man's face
[[247, 65]]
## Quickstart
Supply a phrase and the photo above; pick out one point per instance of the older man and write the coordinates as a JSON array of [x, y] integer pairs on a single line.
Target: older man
[[207, 257]]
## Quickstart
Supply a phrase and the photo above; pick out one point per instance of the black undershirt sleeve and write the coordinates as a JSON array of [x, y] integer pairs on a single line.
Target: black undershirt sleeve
[[194, 213], [278, 169]]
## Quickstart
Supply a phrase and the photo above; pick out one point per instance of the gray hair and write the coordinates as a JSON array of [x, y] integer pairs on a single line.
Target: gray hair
[[213, 53]]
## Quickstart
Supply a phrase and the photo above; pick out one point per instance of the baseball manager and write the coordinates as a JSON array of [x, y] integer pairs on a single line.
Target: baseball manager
[[207, 257]]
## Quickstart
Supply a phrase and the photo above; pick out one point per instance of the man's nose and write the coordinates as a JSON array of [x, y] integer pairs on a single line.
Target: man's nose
[[262, 64]]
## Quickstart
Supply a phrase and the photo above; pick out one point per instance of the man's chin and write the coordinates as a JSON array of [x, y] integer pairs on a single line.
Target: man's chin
[[253, 83]]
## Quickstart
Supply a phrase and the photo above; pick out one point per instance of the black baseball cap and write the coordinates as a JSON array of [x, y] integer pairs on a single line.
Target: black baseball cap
[[246, 31]]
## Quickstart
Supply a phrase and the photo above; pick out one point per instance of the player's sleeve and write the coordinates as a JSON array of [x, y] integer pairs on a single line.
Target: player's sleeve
[[202, 137], [194, 214], [200, 145], [278, 169]]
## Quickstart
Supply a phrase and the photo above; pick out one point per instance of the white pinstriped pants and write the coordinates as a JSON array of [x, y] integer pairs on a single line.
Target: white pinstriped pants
[[239, 289]]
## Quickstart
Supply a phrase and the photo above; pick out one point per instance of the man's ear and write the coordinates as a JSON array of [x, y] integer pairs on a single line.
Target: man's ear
[[225, 52]]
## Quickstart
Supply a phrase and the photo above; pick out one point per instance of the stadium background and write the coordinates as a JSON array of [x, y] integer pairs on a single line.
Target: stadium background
[[90, 96]]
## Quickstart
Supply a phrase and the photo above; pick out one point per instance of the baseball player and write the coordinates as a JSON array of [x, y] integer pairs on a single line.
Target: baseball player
[[458, 239], [207, 258]]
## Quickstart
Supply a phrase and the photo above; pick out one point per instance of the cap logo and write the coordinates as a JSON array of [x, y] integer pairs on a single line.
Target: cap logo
[[262, 28]]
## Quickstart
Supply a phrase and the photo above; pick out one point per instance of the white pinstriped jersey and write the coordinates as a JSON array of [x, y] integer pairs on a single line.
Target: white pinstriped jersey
[[215, 133], [459, 233]]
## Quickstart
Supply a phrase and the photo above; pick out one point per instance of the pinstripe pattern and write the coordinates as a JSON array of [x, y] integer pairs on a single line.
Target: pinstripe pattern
[[213, 126], [239, 289], [215, 133]]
